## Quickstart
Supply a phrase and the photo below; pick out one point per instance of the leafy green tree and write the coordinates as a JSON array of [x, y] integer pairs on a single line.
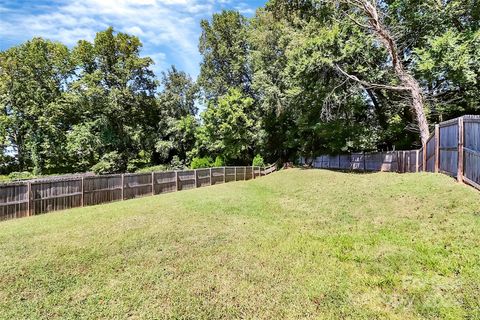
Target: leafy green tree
[[177, 122], [230, 128], [115, 93], [34, 113], [224, 47]]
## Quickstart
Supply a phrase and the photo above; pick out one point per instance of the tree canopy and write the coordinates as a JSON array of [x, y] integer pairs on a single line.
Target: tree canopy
[[298, 78]]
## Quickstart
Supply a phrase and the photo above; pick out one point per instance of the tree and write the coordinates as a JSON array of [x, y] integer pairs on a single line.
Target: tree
[[34, 112], [408, 83], [224, 47], [229, 129], [177, 123], [115, 93], [269, 39]]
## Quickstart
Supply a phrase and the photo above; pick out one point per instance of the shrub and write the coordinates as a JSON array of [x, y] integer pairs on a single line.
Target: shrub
[[177, 164], [110, 163], [20, 175], [198, 163], [258, 161], [219, 162]]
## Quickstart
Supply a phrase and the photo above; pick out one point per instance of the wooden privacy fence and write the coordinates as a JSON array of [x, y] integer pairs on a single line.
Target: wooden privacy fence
[[26, 198], [453, 149], [390, 161]]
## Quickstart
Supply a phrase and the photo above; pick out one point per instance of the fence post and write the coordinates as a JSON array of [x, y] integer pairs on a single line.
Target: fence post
[[195, 174], [417, 152], [210, 171], [253, 172], [153, 183], [83, 194], [244, 173], [123, 186], [176, 180], [364, 162], [224, 174], [437, 148], [235, 173], [29, 198], [460, 149], [424, 160]]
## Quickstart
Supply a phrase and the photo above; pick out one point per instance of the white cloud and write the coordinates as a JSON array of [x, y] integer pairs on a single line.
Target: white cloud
[[169, 29]]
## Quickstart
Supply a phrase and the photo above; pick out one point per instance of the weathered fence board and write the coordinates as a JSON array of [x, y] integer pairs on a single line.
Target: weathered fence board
[[448, 148], [217, 176], [102, 189], [165, 182], [203, 177], [49, 196], [471, 147], [137, 185], [431, 154], [230, 174], [14, 201], [186, 180]]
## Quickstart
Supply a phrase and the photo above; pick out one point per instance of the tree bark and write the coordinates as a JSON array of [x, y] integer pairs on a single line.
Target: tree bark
[[407, 80]]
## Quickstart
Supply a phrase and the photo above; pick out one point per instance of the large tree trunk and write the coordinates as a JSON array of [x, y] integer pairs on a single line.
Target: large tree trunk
[[407, 80]]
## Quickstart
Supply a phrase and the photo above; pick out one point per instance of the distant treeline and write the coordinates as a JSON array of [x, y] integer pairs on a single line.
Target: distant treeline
[[301, 77]]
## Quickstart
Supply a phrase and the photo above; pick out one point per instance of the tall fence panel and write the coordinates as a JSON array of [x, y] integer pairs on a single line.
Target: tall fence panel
[[430, 154], [448, 147], [165, 182], [241, 173], [471, 149], [203, 177], [137, 185], [218, 176], [230, 174], [49, 195], [102, 189], [14, 201], [420, 159], [186, 180]]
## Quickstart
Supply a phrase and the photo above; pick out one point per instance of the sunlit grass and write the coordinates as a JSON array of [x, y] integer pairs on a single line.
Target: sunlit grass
[[296, 244]]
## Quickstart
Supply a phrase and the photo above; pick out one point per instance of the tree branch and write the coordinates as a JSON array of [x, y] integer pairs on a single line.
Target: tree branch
[[369, 85]]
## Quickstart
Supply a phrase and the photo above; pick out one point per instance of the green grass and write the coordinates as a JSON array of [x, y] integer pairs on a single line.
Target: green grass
[[295, 244]]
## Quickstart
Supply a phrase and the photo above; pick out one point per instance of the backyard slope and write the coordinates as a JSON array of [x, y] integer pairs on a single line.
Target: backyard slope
[[295, 244]]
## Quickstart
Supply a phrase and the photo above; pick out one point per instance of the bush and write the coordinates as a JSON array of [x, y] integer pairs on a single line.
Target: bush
[[177, 164], [258, 161], [219, 162], [141, 161], [198, 163], [20, 175], [110, 163]]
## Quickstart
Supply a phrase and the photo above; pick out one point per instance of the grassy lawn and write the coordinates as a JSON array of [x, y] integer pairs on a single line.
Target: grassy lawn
[[296, 244]]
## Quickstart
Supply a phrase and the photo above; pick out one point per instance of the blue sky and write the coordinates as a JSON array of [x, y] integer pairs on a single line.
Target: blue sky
[[168, 29]]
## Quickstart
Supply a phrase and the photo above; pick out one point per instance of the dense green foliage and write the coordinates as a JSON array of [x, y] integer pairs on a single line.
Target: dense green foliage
[[297, 244], [258, 161], [198, 163], [300, 77]]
